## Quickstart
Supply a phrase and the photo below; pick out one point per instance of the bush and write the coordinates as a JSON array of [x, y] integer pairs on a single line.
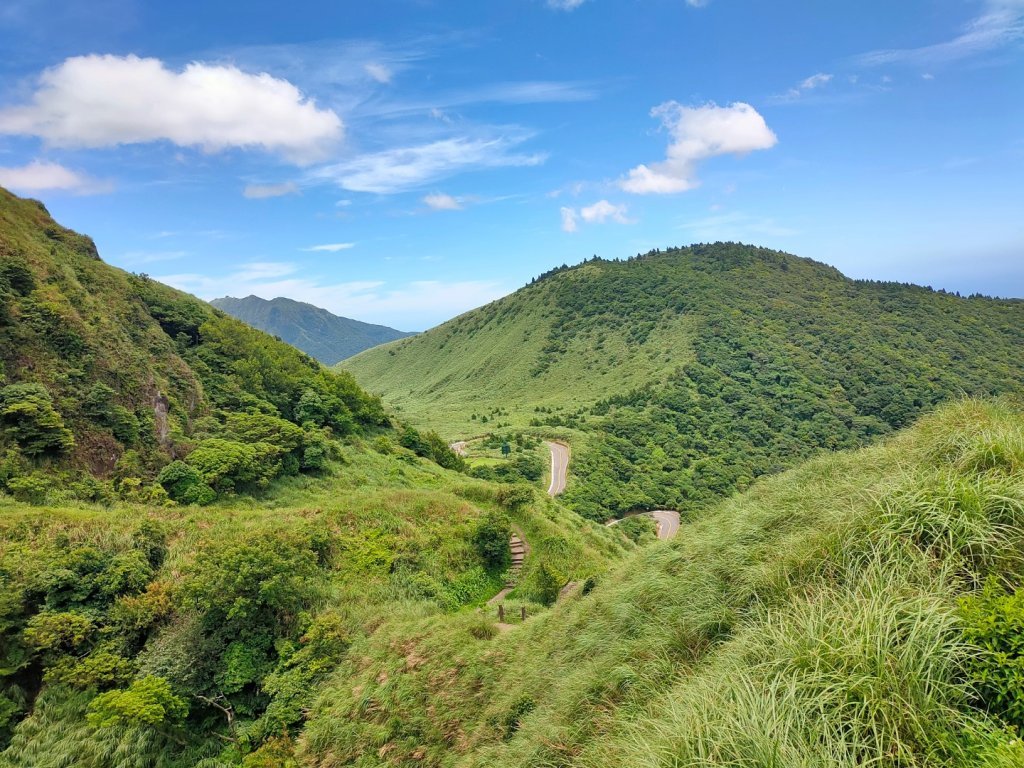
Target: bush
[[148, 701], [491, 540], [993, 622], [31, 489], [547, 583], [29, 418], [225, 465], [514, 497], [185, 485]]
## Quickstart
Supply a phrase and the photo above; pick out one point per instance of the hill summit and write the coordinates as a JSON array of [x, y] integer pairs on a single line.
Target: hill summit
[[323, 335], [684, 374]]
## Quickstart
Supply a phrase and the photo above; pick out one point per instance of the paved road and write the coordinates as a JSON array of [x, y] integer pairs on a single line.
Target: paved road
[[559, 467], [667, 521]]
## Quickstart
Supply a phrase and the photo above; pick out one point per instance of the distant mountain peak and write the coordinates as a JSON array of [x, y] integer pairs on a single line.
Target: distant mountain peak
[[319, 333]]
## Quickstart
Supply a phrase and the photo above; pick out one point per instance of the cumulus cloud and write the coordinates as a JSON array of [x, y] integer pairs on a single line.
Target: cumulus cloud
[[39, 176], [102, 101], [442, 202], [410, 306], [1000, 23], [378, 72], [405, 168], [331, 247], [698, 133], [600, 212], [261, 191]]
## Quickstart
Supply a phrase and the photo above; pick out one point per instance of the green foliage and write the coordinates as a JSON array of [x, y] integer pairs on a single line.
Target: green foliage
[[225, 465], [638, 528], [185, 485], [30, 420], [491, 540], [547, 582], [514, 496], [993, 622], [147, 701], [49, 632], [430, 445]]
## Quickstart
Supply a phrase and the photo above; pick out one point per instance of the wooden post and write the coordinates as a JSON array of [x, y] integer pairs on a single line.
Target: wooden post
[[522, 612], [501, 613]]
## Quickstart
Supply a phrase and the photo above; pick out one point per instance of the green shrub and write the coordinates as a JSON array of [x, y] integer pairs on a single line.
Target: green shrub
[[226, 465], [29, 418], [514, 496], [993, 622], [31, 489], [491, 539], [184, 484], [147, 701]]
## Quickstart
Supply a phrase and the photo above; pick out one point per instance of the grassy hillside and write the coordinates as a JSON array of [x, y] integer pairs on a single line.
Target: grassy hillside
[[688, 373], [153, 636], [115, 386], [315, 331], [834, 615]]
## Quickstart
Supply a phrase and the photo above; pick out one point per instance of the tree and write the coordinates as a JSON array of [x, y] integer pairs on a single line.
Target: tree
[[28, 416], [185, 485], [491, 540], [548, 583]]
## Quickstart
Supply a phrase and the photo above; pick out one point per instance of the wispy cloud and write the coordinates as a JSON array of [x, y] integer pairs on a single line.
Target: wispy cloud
[[565, 5], [379, 72], [442, 202], [104, 101], [40, 176], [401, 305], [262, 191], [406, 168], [1000, 23], [735, 226], [330, 247], [698, 133]]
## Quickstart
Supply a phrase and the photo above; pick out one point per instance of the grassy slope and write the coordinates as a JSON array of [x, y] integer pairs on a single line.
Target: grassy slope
[[399, 531], [487, 360], [811, 621]]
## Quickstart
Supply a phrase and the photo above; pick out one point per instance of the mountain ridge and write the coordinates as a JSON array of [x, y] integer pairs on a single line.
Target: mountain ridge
[[316, 331]]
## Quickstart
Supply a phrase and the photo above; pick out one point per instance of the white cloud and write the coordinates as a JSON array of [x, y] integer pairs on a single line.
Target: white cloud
[[39, 176], [565, 5], [261, 191], [1001, 23], [409, 306], [379, 72], [405, 168], [698, 133], [331, 247], [102, 101], [600, 212], [807, 84], [442, 202]]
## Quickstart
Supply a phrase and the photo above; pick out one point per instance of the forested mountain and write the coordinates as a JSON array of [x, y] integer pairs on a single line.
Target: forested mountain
[[320, 334], [683, 375]]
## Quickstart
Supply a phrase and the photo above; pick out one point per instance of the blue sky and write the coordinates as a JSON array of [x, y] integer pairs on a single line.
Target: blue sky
[[403, 161]]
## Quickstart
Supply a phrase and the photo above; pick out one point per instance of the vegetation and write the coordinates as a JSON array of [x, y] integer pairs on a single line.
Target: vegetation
[[684, 375], [320, 334], [113, 385], [829, 616]]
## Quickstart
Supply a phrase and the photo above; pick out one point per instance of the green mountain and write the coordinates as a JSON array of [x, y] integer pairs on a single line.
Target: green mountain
[[682, 375], [315, 331]]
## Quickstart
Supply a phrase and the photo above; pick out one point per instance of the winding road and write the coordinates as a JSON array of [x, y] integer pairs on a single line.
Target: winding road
[[559, 467], [667, 521]]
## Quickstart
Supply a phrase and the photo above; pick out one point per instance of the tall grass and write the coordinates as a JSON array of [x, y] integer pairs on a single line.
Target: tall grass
[[810, 622]]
